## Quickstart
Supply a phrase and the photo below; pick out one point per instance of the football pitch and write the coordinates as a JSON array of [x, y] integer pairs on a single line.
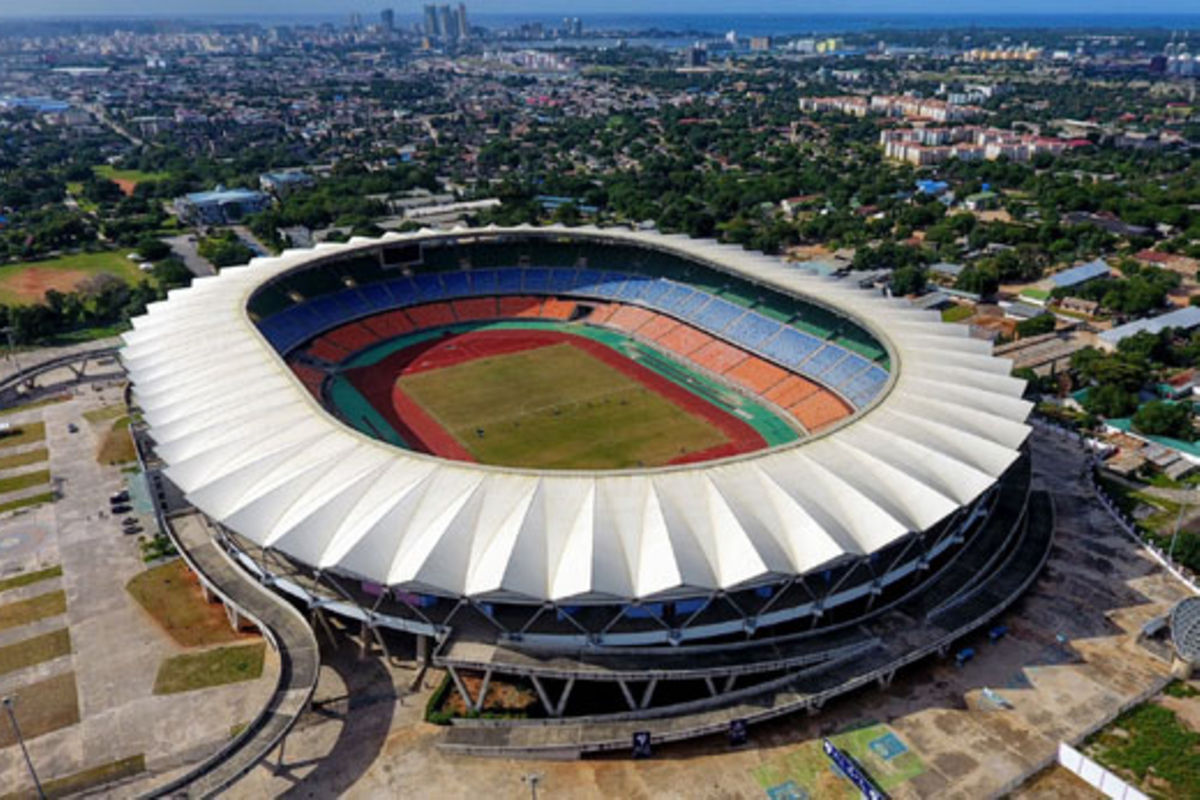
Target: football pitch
[[558, 407]]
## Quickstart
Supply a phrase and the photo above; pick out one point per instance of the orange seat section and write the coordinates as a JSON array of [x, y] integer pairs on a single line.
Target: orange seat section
[[790, 391], [757, 375], [819, 410], [684, 340], [718, 357], [630, 318], [553, 308], [657, 327], [520, 306]]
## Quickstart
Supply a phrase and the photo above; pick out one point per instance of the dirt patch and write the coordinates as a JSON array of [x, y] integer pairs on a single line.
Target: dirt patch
[[125, 185], [31, 285], [171, 594], [502, 697]]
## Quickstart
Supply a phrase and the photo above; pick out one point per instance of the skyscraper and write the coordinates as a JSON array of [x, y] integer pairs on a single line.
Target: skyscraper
[[464, 29], [446, 26], [431, 21], [387, 18]]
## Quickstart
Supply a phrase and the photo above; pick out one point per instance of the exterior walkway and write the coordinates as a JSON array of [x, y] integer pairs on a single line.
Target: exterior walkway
[[288, 632]]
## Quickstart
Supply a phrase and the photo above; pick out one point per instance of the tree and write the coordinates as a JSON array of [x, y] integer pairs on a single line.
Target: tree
[[1043, 323], [1110, 400], [1159, 418], [908, 280], [153, 249]]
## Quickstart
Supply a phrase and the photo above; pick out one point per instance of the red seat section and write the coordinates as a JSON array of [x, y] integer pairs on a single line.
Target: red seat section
[[391, 323], [475, 309], [311, 377], [327, 350], [520, 306], [353, 337], [432, 315]]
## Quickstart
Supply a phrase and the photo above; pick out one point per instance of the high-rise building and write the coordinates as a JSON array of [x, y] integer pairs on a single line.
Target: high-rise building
[[464, 29], [387, 18], [446, 27], [355, 21], [577, 28], [431, 21]]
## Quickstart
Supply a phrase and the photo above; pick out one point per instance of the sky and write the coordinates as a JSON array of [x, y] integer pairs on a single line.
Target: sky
[[161, 8]]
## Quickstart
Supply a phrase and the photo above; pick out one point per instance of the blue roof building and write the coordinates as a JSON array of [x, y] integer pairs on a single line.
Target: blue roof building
[[1183, 319], [221, 206], [1076, 276]]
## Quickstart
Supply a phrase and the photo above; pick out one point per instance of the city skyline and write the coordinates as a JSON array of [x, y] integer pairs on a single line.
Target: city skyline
[[412, 11]]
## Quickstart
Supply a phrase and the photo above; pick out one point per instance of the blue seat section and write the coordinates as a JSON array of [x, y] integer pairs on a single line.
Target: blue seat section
[[866, 386], [790, 347], [563, 280], [377, 296], [484, 281], [508, 281], [402, 291], [822, 360], [456, 284], [329, 309], [587, 281], [354, 301], [610, 285], [716, 314], [429, 287], [673, 300], [752, 330], [845, 369], [654, 291], [635, 288], [537, 280], [693, 303], [290, 327]]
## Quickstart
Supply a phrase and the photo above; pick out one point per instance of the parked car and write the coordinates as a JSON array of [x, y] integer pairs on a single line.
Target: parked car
[[120, 497], [72, 427], [130, 530], [121, 509]]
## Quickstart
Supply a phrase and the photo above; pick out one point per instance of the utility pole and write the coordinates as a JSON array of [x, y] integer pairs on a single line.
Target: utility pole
[[533, 779], [1174, 536], [12, 354], [9, 701]]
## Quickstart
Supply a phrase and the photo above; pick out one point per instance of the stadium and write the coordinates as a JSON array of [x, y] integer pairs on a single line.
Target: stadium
[[657, 483]]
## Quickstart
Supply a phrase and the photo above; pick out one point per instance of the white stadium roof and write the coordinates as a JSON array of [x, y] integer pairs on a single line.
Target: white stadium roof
[[256, 452]]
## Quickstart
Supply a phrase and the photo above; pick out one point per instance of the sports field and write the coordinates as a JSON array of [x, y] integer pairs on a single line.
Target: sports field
[[557, 407], [27, 283]]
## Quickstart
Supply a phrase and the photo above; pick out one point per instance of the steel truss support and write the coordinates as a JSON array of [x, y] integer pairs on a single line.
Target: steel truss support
[[552, 708]]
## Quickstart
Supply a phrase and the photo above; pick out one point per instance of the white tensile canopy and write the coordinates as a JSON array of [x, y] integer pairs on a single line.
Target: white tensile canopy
[[253, 450]]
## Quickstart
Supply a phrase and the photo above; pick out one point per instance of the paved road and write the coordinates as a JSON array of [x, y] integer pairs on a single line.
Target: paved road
[[185, 248]]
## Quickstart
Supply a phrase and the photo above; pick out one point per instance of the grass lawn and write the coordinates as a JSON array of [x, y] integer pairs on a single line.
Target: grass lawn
[[34, 651], [43, 707], [104, 413], [24, 612], [27, 578], [171, 595], [24, 459], [191, 671], [117, 445], [24, 481], [27, 433], [25, 502], [134, 176], [26, 283], [957, 313], [557, 407], [78, 782], [1150, 747]]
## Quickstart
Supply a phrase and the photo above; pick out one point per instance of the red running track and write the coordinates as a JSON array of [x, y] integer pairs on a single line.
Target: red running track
[[378, 384]]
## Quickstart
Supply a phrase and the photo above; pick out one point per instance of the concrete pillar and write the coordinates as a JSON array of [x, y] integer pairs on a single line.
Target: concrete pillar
[[1182, 668], [422, 649]]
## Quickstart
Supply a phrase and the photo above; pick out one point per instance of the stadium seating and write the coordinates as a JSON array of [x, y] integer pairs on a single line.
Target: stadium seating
[[819, 410], [327, 350], [431, 315], [790, 391], [311, 377], [656, 327], [757, 375], [747, 321], [352, 337], [476, 308], [522, 306]]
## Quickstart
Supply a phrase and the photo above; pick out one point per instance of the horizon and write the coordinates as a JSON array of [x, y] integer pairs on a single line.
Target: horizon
[[229, 9]]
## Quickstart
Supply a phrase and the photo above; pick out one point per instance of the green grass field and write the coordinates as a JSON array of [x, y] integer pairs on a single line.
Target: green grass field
[[27, 282], [216, 667], [134, 176], [557, 407]]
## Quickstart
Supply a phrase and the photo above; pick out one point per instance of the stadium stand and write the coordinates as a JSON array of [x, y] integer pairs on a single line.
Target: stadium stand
[[630, 318], [352, 337], [685, 340], [748, 319], [476, 308], [790, 391], [431, 315], [311, 377], [522, 306], [553, 308], [819, 410], [657, 327], [757, 375], [327, 350], [718, 357]]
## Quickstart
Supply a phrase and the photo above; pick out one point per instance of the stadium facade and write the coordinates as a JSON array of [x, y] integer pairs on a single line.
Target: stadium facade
[[753, 569]]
